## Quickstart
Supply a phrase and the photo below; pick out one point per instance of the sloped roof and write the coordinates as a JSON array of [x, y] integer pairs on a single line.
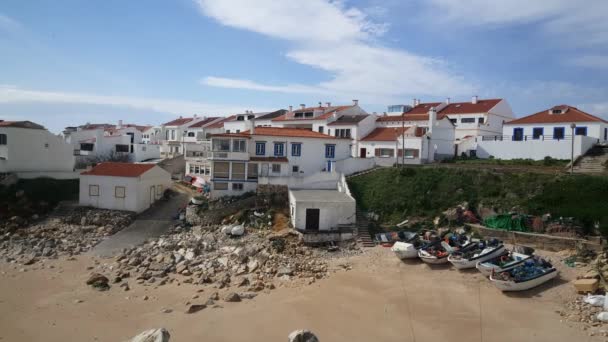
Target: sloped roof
[[392, 133], [203, 123], [272, 115], [327, 112], [348, 120], [279, 132], [20, 124], [423, 108], [570, 114], [114, 169], [482, 106], [220, 123], [178, 122], [406, 117]]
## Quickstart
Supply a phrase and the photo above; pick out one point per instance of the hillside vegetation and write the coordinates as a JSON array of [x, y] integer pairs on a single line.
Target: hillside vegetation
[[396, 194]]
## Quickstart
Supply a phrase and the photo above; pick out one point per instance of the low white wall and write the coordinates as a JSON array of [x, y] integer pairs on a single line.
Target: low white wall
[[319, 180], [534, 149], [353, 165], [145, 151]]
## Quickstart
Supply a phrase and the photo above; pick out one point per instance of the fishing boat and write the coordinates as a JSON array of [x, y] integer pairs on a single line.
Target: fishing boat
[[500, 263], [437, 252], [476, 252], [531, 273]]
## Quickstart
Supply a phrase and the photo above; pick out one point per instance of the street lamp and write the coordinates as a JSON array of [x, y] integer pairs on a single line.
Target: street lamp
[[572, 126]]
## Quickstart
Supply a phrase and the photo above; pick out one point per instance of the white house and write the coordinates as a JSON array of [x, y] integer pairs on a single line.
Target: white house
[[421, 139], [174, 133], [355, 127], [273, 155], [123, 186], [471, 119], [151, 135], [29, 150], [92, 142], [547, 133], [318, 210]]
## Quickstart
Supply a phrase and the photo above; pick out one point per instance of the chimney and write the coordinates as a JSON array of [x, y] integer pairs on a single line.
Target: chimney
[[447, 101], [414, 103], [252, 126], [328, 104], [302, 105], [355, 102], [119, 124], [320, 104], [474, 100], [290, 109], [432, 119]]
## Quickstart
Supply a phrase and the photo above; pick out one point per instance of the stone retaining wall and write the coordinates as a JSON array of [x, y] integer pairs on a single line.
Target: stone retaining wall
[[537, 241], [215, 216]]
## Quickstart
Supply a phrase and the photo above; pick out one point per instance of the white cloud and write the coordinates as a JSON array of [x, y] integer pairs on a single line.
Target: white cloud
[[327, 35], [9, 24], [571, 22], [590, 61], [10, 94]]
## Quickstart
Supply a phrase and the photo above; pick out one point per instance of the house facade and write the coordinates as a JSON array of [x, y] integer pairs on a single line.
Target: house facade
[[272, 155], [104, 141], [555, 132], [28, 148], [175, 132], [123, 186]]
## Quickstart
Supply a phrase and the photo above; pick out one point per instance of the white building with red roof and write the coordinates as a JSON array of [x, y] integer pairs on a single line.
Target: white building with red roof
[[174, 133], [29, 150], [123, 186], [552, 132], [275, 155]]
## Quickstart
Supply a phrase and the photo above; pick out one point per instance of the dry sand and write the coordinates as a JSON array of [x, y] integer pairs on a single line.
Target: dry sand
[[380, 299]]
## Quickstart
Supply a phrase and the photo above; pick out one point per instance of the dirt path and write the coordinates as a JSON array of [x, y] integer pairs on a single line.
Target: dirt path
[[380, 299], [151, 223]]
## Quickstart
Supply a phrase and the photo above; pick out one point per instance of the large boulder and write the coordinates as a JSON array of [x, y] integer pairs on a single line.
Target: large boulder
[[152, 335], [302, 336]]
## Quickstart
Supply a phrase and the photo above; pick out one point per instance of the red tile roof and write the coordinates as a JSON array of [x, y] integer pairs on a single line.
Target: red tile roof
[[178, 122], [571, 114], [220, 123], [328, 111], [202, 123], [392, 133], [20, 124], [119, 169], [406, 117], [482, 106], [423, 108], [279, 132]]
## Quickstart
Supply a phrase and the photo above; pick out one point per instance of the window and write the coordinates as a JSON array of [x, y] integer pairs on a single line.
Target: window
[[197, 169], [46, 145], [343, 133], [238, 170], [252, 171], [279, 149], [239, 146], [191, 168], [385, 152], [221, 169], [295, 169], [537, 132], [276, 168], [480, 120], [240, 118], [321, 128], [172, 134], [330, 151], [119, 192], [86, 147], [467, 120], [222, 145], [93, 190], [122, 148], [605, 133], [454, 121], [260, 148], [296, 150], [237, 186], [308, 114], [328, 131], [396, 109], [580, 131], [298, 115], [191, 134], [220, 186], [518, 134], [167, 136], [558, 132]]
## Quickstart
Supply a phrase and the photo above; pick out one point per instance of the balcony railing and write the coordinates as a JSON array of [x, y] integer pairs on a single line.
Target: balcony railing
[[229, 155]]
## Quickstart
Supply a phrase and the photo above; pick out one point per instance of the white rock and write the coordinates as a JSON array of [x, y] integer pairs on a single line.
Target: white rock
[[152, 335]]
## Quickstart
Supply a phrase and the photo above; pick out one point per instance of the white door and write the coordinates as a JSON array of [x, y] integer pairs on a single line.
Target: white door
[[265, 170]]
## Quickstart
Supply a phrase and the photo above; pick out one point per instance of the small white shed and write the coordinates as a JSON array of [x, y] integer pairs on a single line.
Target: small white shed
[[321, 210], [123, 186]]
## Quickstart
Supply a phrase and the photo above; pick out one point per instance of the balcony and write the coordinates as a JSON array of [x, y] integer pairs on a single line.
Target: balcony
[[227, 155]]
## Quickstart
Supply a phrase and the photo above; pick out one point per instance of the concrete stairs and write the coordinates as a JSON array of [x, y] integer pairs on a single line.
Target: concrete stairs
[[593, 161], [363, 236]]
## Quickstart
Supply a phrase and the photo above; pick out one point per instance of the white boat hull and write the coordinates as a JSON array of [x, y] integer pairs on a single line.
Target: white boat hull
[[487, 268], [431, 259], [470, 263], [404, 250], [524, 285]]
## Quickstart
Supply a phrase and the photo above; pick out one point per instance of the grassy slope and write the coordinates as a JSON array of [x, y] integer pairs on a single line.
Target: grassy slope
[[397, 194]]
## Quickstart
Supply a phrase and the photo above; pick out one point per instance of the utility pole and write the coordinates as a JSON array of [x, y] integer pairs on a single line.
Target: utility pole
[[572, 126], [403, 139]]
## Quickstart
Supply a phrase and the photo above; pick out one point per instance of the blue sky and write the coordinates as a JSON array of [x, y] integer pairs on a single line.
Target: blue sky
[[71, 62]]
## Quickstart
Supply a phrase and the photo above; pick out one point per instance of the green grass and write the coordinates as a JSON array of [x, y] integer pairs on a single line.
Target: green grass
[[397, 194], [39, 195], [548, 161]]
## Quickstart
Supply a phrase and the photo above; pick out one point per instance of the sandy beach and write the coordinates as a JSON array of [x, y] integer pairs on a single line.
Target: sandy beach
[[380, 299]]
